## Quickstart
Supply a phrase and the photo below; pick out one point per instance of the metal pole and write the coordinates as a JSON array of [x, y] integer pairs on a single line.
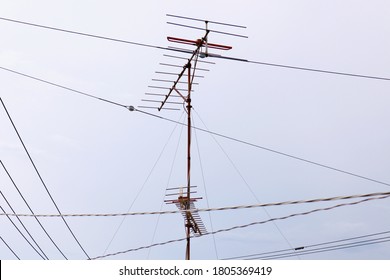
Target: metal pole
[[188, 159]]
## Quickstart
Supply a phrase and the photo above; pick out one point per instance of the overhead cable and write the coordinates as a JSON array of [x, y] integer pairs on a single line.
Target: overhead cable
[[291, 67], [82, 33], [305, 247], [44, 256], [241, 227], [378, 195], [269, 150], [41, 179], [61, 86], [132, 108], [188, 51], [329, 248], [30, 209], [12, 251]]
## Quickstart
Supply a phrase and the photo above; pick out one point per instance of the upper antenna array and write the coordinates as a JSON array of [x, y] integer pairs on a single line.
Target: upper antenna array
[[166, 85]]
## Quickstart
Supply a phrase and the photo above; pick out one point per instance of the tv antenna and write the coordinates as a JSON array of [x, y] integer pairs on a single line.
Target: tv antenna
[[179, 93]]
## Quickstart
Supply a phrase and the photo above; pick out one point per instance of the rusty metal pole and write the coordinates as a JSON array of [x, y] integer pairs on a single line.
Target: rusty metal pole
[[188, 159]]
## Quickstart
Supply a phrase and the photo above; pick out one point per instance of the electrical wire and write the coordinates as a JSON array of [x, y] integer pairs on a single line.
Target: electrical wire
[[287, 251], [271, 150], [82, 33], [132, 108], [331, 248], [234, 139], [291, 67], [188, 51], [41, 179], [237, 207], [13, 252], [61, 86], [241, 226], [20, 221], [30, 209]]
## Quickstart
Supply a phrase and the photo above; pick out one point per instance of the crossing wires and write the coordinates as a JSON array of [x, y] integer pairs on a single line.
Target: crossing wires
[[365, 197], [42, 181], [32, 212]]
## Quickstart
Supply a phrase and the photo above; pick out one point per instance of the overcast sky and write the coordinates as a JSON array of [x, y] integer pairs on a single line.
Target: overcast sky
[[96, 157]]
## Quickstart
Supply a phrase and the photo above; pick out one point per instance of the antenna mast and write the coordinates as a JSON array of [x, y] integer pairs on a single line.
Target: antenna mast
[[185, 202]]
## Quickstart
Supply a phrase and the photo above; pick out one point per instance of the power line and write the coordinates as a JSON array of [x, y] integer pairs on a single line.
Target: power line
[[319, 70], [82, 33], [238, 207], [287, 251], [13, 252], [41, 179], [20, 221], [242, 226], [269, 150], [132, 108], [188, 51], [301, 68], [331, 248], [30, 209], [61, 86], [307, 213]]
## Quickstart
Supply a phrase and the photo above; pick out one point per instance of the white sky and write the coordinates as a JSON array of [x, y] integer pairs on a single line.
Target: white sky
[[95, 157]]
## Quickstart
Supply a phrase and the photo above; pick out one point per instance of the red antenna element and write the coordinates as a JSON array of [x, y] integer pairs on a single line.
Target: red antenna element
[[198, 42]]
